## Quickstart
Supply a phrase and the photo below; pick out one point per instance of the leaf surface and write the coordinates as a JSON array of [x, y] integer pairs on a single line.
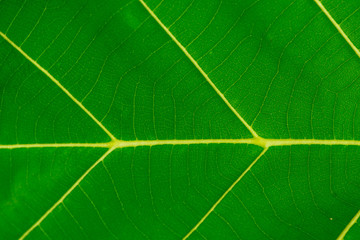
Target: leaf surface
[[179, 119]]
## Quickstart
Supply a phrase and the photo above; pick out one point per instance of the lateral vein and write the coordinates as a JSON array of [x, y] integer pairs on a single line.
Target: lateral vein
[[225, 193], [38, 222], [251, 130], [59, 85], [338, 27], [347, 228]]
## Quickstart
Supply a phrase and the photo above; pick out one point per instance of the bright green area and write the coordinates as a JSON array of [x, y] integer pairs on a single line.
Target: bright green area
[[281, 64], [354, 232]]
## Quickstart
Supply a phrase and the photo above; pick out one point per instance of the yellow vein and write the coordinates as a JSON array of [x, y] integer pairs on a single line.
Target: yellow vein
[[224, 195], [199, 68], [59, 85], [262, 142], [38, 222], [57, 145], [288, 142], [347, 228], [356, 50], [138, 143]]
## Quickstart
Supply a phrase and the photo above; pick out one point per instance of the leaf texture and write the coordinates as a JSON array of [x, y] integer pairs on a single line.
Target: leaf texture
[[158, 119]]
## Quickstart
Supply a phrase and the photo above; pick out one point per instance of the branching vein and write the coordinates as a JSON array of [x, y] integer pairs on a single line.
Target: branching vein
[[38, 222], [262, 142], [224, 195], [251, 130], [59, 85], [115, 143]]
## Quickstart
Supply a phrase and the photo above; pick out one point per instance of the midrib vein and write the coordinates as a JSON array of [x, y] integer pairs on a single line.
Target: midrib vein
[[59, 85], [114, 144], [183, 49], [337, 26], [56, 145], [262, 142]]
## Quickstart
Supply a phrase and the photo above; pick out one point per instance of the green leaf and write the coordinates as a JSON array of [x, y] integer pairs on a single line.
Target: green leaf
[[190, 119]]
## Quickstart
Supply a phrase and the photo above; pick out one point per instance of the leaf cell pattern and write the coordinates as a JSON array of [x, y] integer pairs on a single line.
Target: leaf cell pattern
[[179, 119]]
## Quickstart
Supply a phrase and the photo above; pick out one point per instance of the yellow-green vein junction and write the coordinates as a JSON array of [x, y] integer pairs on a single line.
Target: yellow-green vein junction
[[112, 145], [115, 143], [261, 142], [251, 130]]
